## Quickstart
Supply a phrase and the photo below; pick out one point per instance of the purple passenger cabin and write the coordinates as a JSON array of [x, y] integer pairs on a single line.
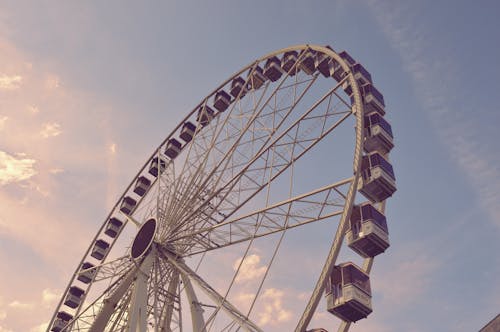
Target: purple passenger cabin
[[154, 167], [100, 249], [256, 77], [378, 134], [187, 131], [347, 58], [361, 75], [325, 64], [142, 185], [87, 273], [272, 69], [205, 115], [238, 87], [307, 62], [377, 181], [173, 148], [348, 293], [373, 99], [288, 63], [367, 234], [74, 297], [222, 100], [61, 321], [128, 205], [113, 227]]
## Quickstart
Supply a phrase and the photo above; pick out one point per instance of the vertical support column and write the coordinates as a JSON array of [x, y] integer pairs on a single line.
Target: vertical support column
[[196, 309], [138, 314]]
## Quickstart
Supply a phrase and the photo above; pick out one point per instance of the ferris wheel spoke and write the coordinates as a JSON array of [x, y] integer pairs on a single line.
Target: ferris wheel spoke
[[245, 323], [267, 166], [297, 211], [107, 270], [225, 150]]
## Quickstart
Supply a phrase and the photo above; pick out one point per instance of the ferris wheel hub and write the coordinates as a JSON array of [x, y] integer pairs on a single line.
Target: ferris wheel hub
[[144, 239]]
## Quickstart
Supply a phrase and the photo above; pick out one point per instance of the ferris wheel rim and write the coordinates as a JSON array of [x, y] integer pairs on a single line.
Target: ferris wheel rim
[[357, 111]]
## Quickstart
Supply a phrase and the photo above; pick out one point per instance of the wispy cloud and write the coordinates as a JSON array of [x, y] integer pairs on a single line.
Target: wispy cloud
[[3, 119], [15, 169], [51, 129], [273, 311], [409, 37], [10, 82], [20, 305], [250, 269]]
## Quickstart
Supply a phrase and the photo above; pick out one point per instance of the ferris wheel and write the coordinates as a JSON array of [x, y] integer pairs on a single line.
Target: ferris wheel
[[283, 145]]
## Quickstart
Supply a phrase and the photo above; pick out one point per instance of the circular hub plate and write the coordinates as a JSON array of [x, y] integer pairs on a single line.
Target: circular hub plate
[[143, 239]]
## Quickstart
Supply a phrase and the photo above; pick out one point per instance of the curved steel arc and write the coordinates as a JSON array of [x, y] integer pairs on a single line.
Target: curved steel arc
[[339, 235]]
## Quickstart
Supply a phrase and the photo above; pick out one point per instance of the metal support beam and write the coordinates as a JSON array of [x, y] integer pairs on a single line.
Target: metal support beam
[[138, 312], [242, 320]]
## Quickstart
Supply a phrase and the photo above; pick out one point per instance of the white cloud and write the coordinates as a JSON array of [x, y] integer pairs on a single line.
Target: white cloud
[[50, 130], [56, 170], [40, 328], [49, 296], [20, 305], [272, 309], [14, 169], [112, 148], [33, 109], [10, 82], [52, 82], [3, 119], [250, 269]]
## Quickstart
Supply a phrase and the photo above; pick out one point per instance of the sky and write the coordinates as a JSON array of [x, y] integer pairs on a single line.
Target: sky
[[89, 89]]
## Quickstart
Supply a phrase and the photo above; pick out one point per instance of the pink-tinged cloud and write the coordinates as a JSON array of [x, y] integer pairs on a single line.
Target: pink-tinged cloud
[[12, 82], [51, 129], [3, 120], [273, 311], [15, 169], [250, 269]]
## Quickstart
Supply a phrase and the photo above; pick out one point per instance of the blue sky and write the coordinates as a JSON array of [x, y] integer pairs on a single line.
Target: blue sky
[[88, 89]]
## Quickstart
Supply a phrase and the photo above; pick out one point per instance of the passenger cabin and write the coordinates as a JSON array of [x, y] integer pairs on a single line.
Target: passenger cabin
[[272, 69], [61, 321], [173, 148], [361, 75], [87, 273], [338, 72], [128, 205], [187, 131], [348, 294], [377, 181], [373, 99], [74, 297], [378, 134], [256, 77], [237, 87], [113, 227], [325, 64], [205, 115], [288, 63], [222, 100], [367, 234], [142, 185], [347, 58], [307, 62], [100, 249], [154, 166]]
